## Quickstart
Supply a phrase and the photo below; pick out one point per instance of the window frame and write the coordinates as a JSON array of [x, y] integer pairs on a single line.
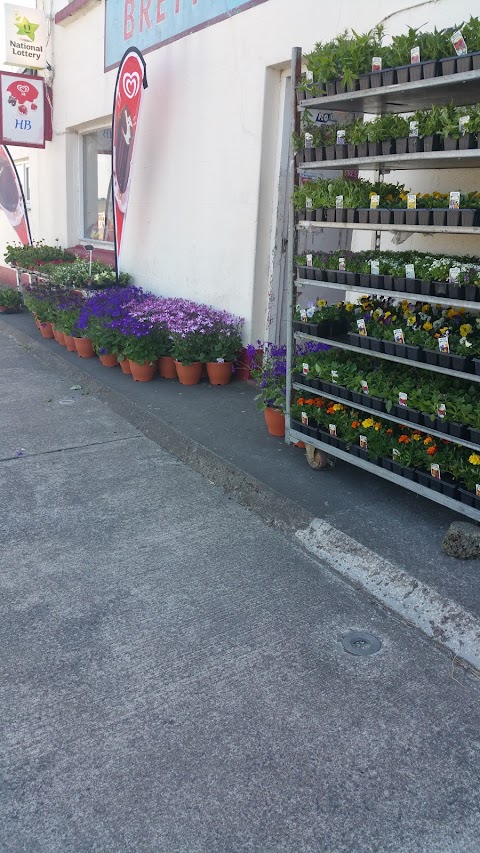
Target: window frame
[[93, 127]]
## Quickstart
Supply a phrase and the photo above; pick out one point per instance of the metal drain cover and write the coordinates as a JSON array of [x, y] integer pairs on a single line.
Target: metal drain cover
[[361, 643]]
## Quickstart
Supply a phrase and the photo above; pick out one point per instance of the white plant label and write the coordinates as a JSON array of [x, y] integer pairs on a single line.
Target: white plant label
[[415, 55], [409, 270], [376, 63], [413, 128], [374, 267], [454, 202], [308, 140], [339, 202], [459, 43], [462, 124], [310, 260]]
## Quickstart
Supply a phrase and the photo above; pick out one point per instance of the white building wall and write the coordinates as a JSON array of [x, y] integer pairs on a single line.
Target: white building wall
[[193, 225]]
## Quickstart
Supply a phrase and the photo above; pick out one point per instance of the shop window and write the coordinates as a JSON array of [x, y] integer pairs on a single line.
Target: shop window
[[23, 169], [97, 185]]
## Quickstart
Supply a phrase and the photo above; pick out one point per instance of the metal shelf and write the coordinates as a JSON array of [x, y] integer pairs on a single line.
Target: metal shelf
[[403, 98], [385, 416], [367, 226], [470, 377], [424, 491], [418, 297], [468, 159]]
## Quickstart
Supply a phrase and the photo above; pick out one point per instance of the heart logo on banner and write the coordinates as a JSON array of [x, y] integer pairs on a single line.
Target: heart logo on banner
[[131, 84]]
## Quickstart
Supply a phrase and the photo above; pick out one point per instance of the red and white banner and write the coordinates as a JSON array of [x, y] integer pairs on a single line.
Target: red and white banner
[[12, 200], [131, 80]]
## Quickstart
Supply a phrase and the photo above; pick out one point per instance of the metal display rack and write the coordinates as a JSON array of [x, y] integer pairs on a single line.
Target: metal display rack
[[463, 89]]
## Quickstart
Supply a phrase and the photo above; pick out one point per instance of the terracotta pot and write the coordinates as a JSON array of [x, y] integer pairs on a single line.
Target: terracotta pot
[[166, 367], [219, 373], [3, 309], [125, 365], [69, 343], [189, 374], [84, 347], [143, 372], [46, 330], [108, 360], [300, 444], [275, 420], [59, 337]]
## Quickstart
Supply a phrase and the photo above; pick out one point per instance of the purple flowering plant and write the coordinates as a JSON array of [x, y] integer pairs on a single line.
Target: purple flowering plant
[[269, 372]]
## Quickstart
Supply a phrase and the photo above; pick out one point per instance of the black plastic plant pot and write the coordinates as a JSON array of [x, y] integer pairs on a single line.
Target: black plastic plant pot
[[416, 72], [343, 393], [403, 74], [366, 400], [330, 152], [388, 282], [399, 216], [297, 327], [357, 398], [455, 429], [401, 145], [440, 288], [471, 292], [374, 216], [341, 151], [309, 155], [351, 151], [460, 362], [410, 473], [341, 276], [388, 77], [400, 350], [387, 147], [351, 278], [310, 216], [340, 214], [316, 384], [385, 216], [331, 214], [476, 366], [319, 214], [468, 218], [415, 145], [427, 421], [453, 217], [364, 81], [468, 140], [413, 415], [354, 450], [319, 153], [444, 360], [340, 88], [447, 66], [326, 387], [331, 88], [439, 216], [450, 144], [311, 431], [352, 214], [363, 454], [301, 214], [319, 275], [425, 287], [476, 61], [298, 377], [397, 469], [363, 215], [364, 342], [424, 216], [374, 149], [464, 63], [377, 404], [374, 460], [341, 444], [468, 498], [456, 291], [411, 217], [389, 347], [441, 425], [431, 356], [305, 380], [296, 425], [399, 284], [364, 280], [430, 68], [436, 485], [376, 281], [432, 143], [353, 86], [323, 329], [386, 463], [449, 489], [376, 345], [362, 149], [331, 275], [473, 434], [424, 478], [413, 352], [312, 329], [412, 285], [375, 79]]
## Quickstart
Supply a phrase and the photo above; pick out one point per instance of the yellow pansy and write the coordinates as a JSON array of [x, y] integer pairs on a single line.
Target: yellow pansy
[[368, 422], [321, 303], [465, 330], [425, 308], [474, 459], [427, 326], [411, 321]]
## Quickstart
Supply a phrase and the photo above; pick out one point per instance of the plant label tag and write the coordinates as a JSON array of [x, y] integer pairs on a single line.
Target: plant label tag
[[374, 267], [409, 270], [363, 441], [477, 490], [305, 368], [310, 260], [308, 140], [462, 124], [364, 385], [442, 411], [395, 454], [435, 470], [362, 329], [398, 336], [303, 315], [374, 201], [411, 201], [304, 419], [332, 429], [413, 128], [339, 202], [454, 275], [459, 43], [220, 361], [341, 264], [340, 137], [415, 55], [309, 76], [334, 375], [376, 63], [402, 399], [308, 204], [454, 202], [443, 344]]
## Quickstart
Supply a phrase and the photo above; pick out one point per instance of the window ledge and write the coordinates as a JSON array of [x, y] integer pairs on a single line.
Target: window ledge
[[73, 10]]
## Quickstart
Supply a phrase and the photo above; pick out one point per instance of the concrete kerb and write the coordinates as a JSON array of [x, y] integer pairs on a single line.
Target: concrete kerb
[[439, 618]]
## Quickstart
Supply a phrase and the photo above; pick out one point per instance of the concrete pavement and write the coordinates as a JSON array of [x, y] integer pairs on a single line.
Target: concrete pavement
[[173, 679]]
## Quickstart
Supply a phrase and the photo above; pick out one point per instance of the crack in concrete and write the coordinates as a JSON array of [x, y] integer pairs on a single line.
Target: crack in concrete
[[26, 455]]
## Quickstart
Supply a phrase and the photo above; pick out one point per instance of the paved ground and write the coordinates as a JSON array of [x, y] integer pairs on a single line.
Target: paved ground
[[399, 526], [172, 679]]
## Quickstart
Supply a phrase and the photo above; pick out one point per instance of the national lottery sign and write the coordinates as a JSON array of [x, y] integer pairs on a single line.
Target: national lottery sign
[[149, 24]]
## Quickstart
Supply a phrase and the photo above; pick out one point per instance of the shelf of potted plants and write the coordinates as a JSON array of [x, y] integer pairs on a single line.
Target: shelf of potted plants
[[461, 88]]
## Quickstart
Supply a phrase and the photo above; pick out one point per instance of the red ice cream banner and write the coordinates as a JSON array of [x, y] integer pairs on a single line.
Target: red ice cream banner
[[12, 200], [131, 80]]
